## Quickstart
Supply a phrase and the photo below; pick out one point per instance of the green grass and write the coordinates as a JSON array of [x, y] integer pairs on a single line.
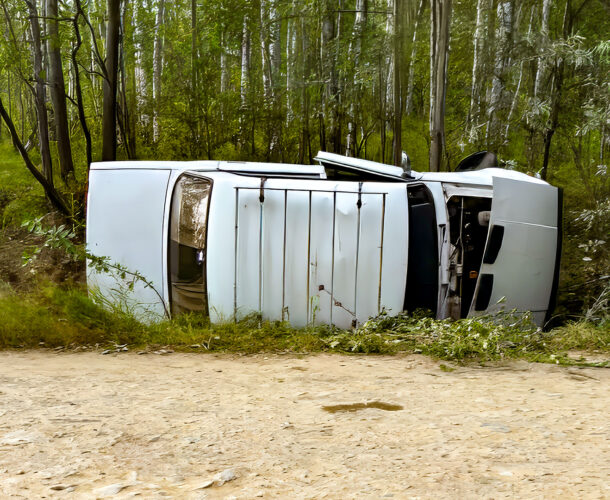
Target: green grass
[[21, 197], [58, 316]]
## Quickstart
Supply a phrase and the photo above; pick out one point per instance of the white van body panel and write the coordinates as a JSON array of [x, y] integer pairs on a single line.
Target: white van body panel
[[125, 210], [527, 212], [306, 253]]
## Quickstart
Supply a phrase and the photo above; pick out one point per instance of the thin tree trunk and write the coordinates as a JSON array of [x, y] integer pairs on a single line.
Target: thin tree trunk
[[194, 102], [52, 194], [265, 51], [480, 34], [409, 98], [245, 64], [327, 61], [389, 35], [224, 67], [354, 110], [513, 105], [123, 112], [244, 82], [58, 95], [275, 46], [544, 38], [556, 91], [40, 96], [109, 116], [291, 41], [397, 39], [304, 144], [157, 68], [131, 104], [440, 17], [338, 84], [502, 63], [77, 86]]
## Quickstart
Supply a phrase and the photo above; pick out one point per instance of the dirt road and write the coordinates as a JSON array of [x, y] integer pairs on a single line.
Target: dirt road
[[84, 425]]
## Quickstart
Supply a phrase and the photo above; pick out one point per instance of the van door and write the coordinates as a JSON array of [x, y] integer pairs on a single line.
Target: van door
[[521, 260]]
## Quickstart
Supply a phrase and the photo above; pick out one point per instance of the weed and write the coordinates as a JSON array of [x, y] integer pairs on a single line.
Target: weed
[[64, 316]]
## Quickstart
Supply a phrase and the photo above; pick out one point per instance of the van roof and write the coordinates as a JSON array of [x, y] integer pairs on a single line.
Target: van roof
[[356, 166]]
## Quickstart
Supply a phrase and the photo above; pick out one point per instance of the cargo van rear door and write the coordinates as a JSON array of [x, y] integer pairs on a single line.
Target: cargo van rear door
[[521, 259]]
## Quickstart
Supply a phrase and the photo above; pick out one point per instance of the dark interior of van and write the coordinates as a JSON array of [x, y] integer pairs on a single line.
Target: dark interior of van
[[422, 270]]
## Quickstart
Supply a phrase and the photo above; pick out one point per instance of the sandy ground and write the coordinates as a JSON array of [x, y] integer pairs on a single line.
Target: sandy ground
[[84, 425]]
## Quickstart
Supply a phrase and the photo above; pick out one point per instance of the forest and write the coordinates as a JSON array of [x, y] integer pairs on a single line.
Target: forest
[[278, 80]]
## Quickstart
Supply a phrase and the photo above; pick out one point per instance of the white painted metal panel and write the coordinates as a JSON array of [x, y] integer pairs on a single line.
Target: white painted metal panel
[[346, 239], [320, 260], [524, 267], [295, 298], [248, 266], [272, 286], [524, 202], [220, 252], [395, 247], [125, 214], [307, 253], [369, 256], [438, 191]]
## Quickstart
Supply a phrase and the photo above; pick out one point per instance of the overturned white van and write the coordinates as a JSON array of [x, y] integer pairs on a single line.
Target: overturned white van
[[333, 243]]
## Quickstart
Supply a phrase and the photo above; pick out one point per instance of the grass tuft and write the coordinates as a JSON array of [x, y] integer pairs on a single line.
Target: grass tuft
[[55, 316]]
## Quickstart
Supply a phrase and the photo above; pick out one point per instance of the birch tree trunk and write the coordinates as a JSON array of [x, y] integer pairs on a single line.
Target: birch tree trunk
[[272, 60], [513, 105], [356, 51], [245, 64], [291, 45], [409, 98], [194, 100], [244, 82], [504, 33], [265, 51], [131, 104], [440, 18], [304, 146], [224, 68], [275, 45], [40, 94], [327, 61], [157, 68], [397, 42], [480, 35], [109, 106], [58, 95], [544, 39], [389, 33]]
